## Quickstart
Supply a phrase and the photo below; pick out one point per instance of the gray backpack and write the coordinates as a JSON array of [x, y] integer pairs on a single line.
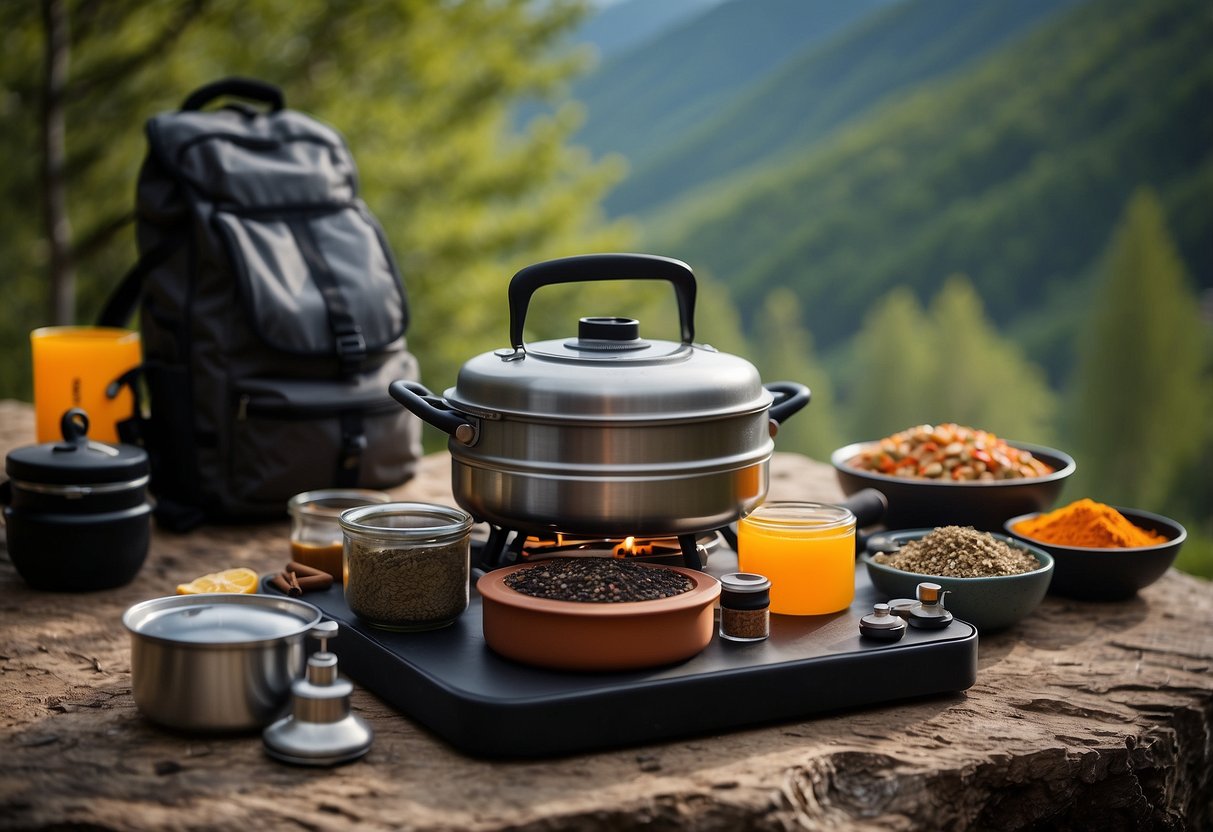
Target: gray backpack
[[272, 314]]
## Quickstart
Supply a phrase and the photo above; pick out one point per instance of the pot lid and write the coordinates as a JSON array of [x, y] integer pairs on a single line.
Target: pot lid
[[220, 620], [558, 379], [77, 459], [608, 370]]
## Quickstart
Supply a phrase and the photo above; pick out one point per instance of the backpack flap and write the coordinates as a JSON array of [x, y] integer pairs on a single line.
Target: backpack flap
[[314, 271], [318, 283]]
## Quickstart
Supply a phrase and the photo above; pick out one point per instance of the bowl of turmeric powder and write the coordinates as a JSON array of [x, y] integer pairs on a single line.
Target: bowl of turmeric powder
[[1101, 552]]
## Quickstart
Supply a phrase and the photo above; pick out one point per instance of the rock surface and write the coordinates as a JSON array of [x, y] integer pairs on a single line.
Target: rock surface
[[1086, 715]]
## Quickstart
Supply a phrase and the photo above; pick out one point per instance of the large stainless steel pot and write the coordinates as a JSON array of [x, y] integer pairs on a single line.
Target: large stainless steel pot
[[607, 433], [216, 662]]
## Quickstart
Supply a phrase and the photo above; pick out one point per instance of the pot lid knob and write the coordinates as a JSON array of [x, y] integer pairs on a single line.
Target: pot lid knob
[[321, 730], [608, 334], [74, 428], [882, 624]]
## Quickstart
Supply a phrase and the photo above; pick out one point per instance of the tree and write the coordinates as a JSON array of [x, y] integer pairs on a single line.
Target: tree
[[1138, 404], [421, 91], [75, 84], [784, 350], [981, 378], [887, 381], [945, 364]]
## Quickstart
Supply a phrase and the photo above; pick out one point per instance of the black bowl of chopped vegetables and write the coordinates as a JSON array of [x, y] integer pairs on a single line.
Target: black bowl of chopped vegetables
[[921, 496]]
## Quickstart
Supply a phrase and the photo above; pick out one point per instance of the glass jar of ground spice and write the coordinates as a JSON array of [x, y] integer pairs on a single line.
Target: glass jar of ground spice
[[316, 537], [745, 607], [407, 564]]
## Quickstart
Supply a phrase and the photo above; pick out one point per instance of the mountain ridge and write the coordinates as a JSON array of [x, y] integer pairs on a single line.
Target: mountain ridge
[[1012, 174]]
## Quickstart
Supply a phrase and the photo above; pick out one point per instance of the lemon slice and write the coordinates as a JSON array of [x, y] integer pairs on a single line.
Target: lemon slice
[[239, 579]]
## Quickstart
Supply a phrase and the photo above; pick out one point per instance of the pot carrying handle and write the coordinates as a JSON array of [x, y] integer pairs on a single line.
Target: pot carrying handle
[[589, 268], [419, 401]]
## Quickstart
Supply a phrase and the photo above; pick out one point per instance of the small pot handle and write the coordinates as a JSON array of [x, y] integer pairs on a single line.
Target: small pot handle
[[418, 400], [868, 505], [790, 398], [589, 268]]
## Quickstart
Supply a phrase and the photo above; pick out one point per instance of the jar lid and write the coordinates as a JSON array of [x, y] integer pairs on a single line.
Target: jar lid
[[77, 459], [411, 522], [745, 590], [791, 517], [329, 503]]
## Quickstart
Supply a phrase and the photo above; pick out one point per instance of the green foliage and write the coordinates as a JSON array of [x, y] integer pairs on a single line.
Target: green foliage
[[945, 364], [421, 91]]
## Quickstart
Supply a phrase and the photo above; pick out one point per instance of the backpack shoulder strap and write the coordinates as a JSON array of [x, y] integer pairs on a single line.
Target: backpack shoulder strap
[[120, 305]]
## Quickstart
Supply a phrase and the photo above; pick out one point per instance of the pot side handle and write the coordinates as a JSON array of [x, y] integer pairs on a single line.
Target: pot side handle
[[590, 268], [790, 399], [868, 505], [423, 404]]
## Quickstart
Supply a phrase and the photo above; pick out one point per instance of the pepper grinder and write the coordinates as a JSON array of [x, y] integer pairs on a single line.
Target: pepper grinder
[[321, 730]]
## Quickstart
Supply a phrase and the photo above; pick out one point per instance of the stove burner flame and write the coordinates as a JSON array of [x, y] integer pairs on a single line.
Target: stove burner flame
[[629, 548]]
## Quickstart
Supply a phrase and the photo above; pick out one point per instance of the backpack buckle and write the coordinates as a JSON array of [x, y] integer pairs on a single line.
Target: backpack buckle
[[351, 350], [350, 345], [353, 446]]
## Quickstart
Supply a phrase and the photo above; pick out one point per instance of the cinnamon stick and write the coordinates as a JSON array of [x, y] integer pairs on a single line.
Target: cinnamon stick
[[305, 571], [298, 579]]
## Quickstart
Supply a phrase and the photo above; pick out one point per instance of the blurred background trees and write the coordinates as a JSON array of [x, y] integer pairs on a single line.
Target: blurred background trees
[[995, 213]]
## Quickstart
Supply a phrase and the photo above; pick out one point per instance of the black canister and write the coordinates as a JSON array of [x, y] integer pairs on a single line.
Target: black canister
[[78, 518]]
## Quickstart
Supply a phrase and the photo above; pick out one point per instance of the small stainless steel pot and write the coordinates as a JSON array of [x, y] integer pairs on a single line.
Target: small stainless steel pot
[[216, 662], [608, 433]]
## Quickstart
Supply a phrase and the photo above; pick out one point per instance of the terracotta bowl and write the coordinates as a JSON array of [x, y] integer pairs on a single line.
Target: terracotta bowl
[[572, 635]]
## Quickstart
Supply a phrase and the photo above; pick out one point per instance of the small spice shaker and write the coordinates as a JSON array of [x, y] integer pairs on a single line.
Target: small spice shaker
[[407, 565], [745, 607], [320, 730]]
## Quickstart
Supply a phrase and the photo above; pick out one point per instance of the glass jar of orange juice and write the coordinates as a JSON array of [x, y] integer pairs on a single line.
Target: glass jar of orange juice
[[808, 552], [316, 537]]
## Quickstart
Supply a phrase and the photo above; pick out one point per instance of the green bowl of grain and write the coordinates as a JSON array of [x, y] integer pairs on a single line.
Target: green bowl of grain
[[970, 568]]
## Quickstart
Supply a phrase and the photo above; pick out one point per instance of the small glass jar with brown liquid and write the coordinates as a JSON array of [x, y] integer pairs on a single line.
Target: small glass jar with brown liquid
[[316, 537]]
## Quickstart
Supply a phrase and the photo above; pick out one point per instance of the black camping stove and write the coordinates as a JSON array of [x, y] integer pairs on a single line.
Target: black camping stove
[[505, 547], [450, 681]]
